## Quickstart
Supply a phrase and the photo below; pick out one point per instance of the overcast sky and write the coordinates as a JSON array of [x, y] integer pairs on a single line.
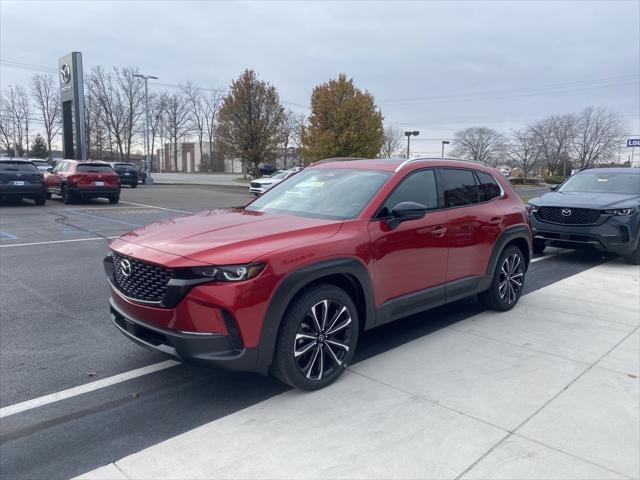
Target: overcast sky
[[432, 66]]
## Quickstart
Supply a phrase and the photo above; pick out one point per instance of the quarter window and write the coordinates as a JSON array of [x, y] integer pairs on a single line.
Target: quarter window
[[417, 187], [489, 188], [459, 187]]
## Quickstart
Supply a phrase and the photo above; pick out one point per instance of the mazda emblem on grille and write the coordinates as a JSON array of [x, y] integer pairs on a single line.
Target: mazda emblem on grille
[[566, 212], [125, 267]]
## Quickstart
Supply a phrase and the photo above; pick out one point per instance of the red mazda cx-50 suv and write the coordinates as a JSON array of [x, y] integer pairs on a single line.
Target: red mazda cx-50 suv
[[286, 283]]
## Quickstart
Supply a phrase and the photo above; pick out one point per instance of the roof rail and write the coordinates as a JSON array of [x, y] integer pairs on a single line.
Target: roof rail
[[337, 159], [411, 160]]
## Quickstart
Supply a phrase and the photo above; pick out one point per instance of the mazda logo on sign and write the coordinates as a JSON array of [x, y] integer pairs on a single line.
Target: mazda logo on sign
[[566, 212], [125, 268], [65, 73]]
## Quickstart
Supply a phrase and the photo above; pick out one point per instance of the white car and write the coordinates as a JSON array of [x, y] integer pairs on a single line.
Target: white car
[[263, 184], [42, 165]]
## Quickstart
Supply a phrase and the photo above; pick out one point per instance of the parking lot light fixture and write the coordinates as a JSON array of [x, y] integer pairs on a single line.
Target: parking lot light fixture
[[147, 161], [444, 142], [415, 133]]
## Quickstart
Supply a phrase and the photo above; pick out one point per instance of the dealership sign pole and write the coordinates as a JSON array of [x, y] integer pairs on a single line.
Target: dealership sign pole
[[632, 143], [72, 98]]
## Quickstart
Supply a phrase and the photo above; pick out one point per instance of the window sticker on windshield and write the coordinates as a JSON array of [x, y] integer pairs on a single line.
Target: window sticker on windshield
[[603, 179]]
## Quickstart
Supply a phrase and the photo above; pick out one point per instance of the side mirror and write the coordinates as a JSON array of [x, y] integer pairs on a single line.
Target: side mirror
[[406, 211], [554, 187], [50, 169]]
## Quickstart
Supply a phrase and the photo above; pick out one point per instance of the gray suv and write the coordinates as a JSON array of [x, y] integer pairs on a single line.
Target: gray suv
[[597, 208]]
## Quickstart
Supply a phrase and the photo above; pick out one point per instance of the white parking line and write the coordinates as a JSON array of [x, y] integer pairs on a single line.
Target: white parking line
[[57, 241], [153, 206], [545, 257], [86, 388]]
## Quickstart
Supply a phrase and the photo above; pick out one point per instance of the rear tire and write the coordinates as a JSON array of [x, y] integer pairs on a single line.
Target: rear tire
[[317, 338], [67, 196], [113, 199], [134, 185], [538, 246], [41, 200], [48, 195], [507, 282]]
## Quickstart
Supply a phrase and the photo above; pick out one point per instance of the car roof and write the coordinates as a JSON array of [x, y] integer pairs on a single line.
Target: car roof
[[611, 170], [397, 164]]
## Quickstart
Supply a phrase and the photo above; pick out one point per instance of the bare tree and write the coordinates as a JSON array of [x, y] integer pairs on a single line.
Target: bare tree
[[6, 125], [121, 98], [523, 150], [553, 136], [23, 112], [480, 144], [212, 103], [177, 122], [597, 134], [392, 142], [290, 129], [47, 98], [197, 114]]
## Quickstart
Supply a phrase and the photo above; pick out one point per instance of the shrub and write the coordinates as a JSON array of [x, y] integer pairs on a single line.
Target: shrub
[[520, 181], [555, 180]]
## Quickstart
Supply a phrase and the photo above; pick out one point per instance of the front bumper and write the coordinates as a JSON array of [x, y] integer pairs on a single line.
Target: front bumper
[[618, 234], [211, 349]]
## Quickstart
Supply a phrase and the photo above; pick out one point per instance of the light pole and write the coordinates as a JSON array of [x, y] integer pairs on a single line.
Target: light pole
[[415, 133], [148, 180], [444, 142]]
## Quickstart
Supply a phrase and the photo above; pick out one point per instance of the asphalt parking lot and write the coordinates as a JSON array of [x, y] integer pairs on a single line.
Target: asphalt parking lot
[[56, 335]]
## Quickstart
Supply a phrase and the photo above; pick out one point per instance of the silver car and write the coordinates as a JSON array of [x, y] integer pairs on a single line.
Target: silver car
[[261, 185]]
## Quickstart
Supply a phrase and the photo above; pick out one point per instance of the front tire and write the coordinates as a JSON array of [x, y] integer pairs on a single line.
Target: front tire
[[317, 338], [634, 258], [507, 282]]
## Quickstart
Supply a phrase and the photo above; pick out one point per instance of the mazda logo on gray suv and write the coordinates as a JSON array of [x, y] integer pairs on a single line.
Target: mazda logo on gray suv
[[566, 212]]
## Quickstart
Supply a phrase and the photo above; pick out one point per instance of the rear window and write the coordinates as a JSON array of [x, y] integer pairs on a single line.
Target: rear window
[[17, 166], [489, 188], [88, 167], [125, 166]]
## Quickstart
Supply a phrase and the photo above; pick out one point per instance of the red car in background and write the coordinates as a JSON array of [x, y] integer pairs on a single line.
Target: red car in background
[[287, 283], [76, 179]]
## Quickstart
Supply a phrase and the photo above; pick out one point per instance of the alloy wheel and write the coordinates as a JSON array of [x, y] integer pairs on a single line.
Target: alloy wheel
[[511, 278], [323, 339]]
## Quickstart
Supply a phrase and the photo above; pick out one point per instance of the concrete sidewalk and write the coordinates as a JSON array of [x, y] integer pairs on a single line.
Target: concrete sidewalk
[[549, 390], [217, 179]]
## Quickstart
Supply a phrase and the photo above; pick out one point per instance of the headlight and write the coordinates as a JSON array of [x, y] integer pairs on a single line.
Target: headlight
[[620, 211], [228, 273], [531, 208]]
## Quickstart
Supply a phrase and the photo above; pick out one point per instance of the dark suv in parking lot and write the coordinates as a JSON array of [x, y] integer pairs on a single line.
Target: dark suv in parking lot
[[597, 208], [127, 172], [21, 179], [286, 283]]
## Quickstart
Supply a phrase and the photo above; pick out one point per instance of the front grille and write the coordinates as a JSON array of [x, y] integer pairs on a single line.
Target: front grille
[[568, 216], [144, 281], [255, 185]]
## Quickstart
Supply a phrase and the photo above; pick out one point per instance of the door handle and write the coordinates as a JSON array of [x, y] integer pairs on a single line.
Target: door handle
[[439, 231], [496, 221]]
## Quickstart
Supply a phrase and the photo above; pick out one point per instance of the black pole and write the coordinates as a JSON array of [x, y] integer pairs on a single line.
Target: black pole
[[408, 143]]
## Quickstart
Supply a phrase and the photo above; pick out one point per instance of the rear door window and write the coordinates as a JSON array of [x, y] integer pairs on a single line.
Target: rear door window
[[87, 167], [459, 187], [489, 188]]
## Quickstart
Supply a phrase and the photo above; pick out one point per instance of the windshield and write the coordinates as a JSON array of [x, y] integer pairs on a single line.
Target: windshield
[[603, 182], [40, 163], [322, 193], [125, 166]]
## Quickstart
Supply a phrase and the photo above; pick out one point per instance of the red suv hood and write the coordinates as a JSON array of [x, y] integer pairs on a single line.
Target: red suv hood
[[227, 237]]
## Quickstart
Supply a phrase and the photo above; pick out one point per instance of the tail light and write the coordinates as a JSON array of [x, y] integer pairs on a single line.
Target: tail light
[[72, 179]]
